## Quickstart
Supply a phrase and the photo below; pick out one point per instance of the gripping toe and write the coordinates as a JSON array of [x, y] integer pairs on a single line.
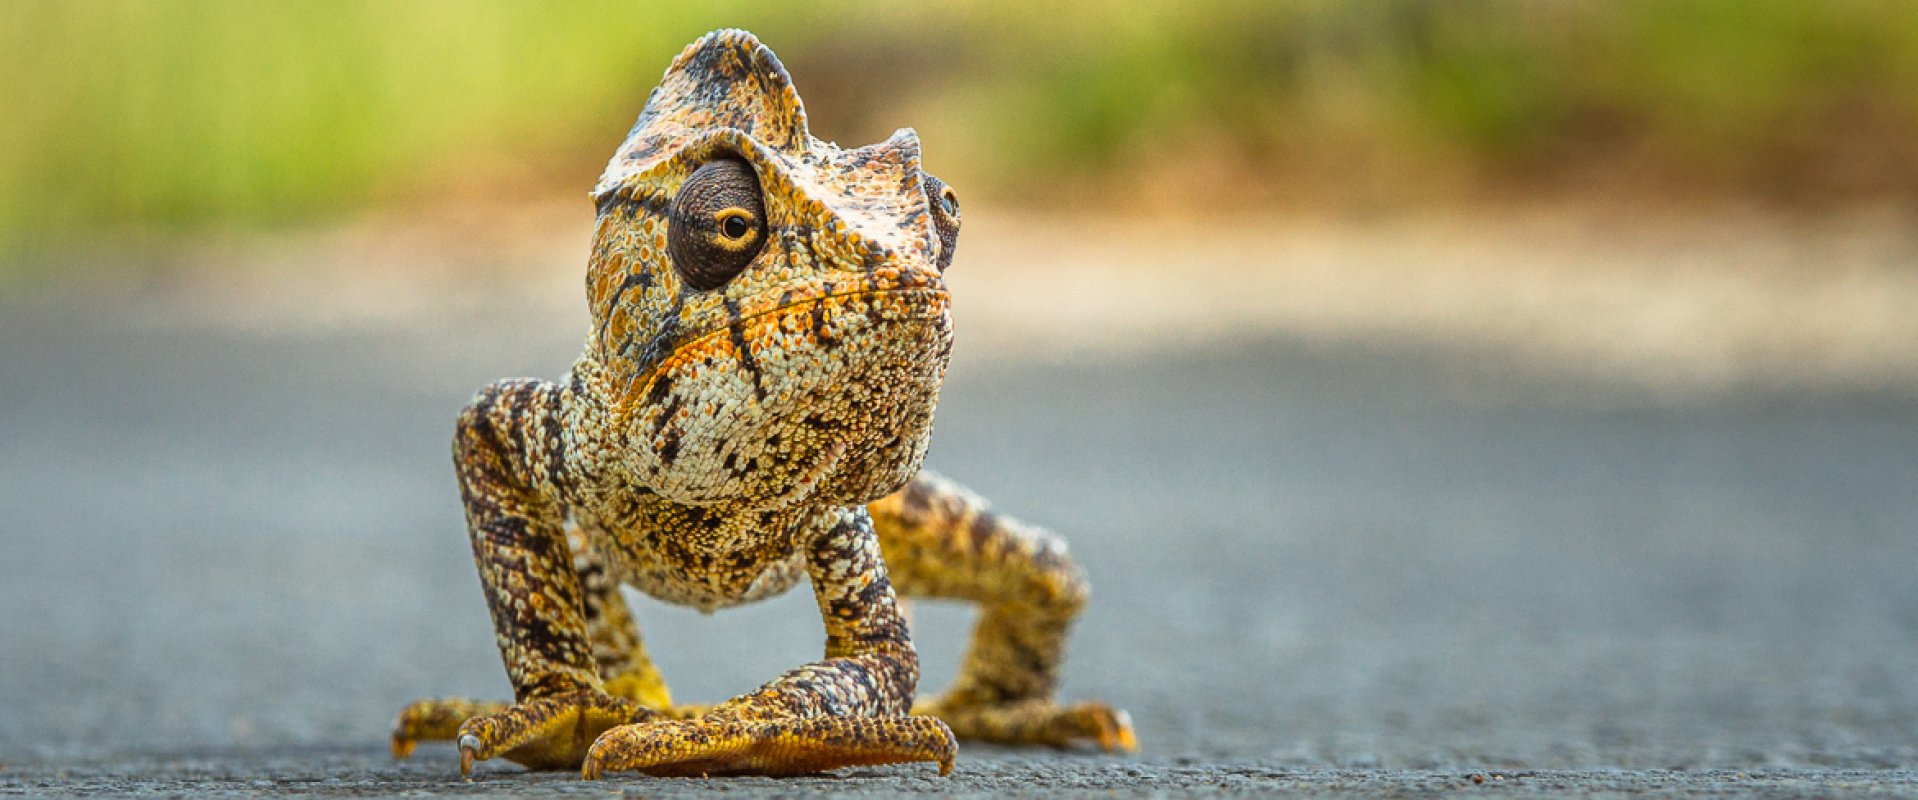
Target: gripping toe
[[436, 720], [1040, 722], [701, 747], [545, 733]]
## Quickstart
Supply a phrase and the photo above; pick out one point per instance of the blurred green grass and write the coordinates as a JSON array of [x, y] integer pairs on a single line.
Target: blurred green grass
[[189, 116]]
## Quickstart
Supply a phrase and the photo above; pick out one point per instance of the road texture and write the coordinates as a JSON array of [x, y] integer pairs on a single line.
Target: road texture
[[1322, 568]]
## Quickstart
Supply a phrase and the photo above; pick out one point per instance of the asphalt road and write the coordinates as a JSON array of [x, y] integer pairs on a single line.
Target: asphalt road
[[228, 558]]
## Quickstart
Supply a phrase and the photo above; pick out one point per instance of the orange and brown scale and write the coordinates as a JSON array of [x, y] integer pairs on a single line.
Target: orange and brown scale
[[770, 330]]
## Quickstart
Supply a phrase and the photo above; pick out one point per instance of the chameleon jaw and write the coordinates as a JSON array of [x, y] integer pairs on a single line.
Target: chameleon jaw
[[786, 399]]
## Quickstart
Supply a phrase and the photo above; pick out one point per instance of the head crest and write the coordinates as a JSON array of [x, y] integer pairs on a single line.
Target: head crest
[[726, 80], [728, 93]]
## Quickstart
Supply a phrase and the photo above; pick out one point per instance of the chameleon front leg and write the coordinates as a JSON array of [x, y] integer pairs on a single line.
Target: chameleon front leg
[[503, 451], [850, 709], [942, 541], [618, 651]]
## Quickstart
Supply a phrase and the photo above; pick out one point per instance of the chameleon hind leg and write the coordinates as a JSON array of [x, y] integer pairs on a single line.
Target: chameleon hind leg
[[941, 541], [586, 670]]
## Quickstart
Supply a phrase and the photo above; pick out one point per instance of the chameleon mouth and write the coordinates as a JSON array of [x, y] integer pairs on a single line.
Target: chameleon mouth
[[739, 334], [937, 302], [900, 304]]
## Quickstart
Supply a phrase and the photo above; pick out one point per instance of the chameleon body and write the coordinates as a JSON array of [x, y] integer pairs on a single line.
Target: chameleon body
[[770, 327]]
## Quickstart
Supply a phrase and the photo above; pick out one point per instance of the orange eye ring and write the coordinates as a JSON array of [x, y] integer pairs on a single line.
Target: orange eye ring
[[734, 224]]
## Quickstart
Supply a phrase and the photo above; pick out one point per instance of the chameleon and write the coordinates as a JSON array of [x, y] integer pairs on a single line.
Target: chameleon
[[770, 328]]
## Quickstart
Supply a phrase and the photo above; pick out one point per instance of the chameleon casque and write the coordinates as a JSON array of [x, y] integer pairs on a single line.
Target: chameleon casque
[[770, 327]]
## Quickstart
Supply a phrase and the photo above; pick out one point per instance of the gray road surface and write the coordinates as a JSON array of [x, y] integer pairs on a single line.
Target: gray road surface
[[227, 559]]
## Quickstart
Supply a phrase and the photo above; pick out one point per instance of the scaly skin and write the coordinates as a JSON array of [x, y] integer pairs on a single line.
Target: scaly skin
[[712, 446]]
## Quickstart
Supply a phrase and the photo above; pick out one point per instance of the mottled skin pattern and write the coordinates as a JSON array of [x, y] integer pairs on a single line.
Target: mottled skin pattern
[[749, 411]]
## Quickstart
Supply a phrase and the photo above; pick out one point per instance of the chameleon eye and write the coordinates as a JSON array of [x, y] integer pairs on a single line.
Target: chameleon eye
[[945, 218], [716, 226]]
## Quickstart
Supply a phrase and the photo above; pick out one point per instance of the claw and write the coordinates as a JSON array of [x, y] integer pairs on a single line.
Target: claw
[[1115, 733], [469, 750]]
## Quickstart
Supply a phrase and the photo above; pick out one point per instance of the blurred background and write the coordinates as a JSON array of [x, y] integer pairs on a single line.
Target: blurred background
[[187, 116], [1425, 385]]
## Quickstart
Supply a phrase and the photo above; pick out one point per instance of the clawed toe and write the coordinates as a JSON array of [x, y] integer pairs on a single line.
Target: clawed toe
[[543, 733], [1036, 722], [436, 721], [1062, 726], [700, 747], [1115, 729]]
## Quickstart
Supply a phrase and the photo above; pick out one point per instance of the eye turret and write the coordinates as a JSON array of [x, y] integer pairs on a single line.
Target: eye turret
[[717, 224], [945, 217]]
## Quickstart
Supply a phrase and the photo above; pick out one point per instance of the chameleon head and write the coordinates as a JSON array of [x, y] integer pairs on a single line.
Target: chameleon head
[[770, 317]]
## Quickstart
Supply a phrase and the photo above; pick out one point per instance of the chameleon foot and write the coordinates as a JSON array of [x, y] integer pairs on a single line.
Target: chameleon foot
[[1040, 722], [701, 747], [437, 721], [543, 733]]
